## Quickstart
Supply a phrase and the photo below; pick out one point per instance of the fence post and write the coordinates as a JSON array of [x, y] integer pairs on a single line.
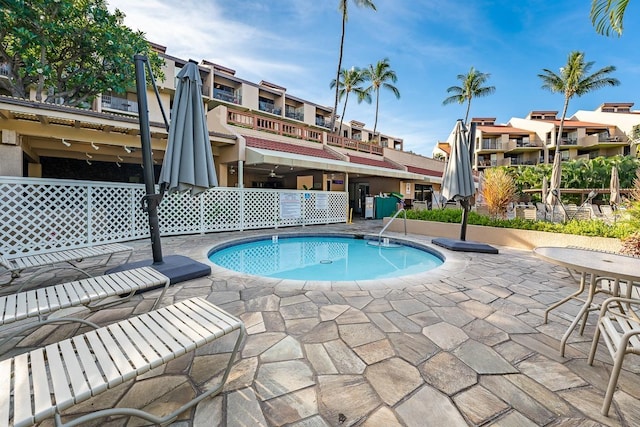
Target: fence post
[[89, 214]]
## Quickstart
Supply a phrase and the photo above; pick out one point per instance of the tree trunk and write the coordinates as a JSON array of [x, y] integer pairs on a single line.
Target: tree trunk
[[335, 104], [40, 85], [344, 109], [466, 117], [375, 123]]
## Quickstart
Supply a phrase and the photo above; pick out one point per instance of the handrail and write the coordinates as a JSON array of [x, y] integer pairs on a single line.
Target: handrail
[[389, 223]]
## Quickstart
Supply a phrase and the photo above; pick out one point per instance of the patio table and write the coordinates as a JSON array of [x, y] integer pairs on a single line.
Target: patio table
[[597, 264]]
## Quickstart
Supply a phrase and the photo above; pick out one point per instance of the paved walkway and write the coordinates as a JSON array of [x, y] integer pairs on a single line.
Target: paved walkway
[[464, 344]]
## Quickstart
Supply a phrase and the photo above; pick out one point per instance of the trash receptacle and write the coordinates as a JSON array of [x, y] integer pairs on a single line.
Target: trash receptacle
[[385, 206]]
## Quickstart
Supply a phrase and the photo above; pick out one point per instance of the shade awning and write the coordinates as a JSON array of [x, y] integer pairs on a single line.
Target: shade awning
[[256, 156]]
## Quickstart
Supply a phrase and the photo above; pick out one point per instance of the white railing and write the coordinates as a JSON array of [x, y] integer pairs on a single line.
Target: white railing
[[43, 215]]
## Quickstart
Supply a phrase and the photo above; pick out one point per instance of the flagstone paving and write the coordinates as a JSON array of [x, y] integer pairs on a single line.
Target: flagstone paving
[[462, 345]]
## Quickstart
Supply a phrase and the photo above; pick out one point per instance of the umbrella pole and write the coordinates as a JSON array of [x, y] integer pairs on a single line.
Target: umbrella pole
[[465, 214], [151, 201]]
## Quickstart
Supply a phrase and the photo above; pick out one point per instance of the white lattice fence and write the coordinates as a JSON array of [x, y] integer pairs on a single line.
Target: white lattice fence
[[43, 215]]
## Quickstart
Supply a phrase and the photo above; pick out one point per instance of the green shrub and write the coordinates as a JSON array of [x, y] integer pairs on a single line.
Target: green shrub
[[579, 227]]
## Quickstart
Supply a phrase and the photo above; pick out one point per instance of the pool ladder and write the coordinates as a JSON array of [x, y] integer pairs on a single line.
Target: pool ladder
[[389, 223]]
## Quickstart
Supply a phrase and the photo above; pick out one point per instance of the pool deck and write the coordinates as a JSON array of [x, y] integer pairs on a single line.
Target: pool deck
[[464, 344]]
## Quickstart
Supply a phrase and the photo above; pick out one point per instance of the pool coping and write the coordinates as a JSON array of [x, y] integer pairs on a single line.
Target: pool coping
[[452, 262]]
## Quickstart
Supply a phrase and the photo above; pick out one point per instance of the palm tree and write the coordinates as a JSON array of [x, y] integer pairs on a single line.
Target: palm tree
[[574, 79], [607, 15], [471, 88], [345, 16], [350, 81], [379, 75]]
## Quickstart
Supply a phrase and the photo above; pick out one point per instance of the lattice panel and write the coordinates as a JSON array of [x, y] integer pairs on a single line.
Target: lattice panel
[[111, 214], [40, 215], [179, 213], [260, 209], [221, 209]]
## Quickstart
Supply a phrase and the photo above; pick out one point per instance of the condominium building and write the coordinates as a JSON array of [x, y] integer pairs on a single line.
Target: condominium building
[[261, 136], [605, 131]]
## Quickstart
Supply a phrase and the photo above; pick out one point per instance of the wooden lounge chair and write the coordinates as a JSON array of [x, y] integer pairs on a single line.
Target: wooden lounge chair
[[62, 259], [87, 292], [44, 382]]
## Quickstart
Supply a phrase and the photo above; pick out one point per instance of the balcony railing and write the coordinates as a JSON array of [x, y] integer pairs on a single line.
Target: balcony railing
[[294, 115], [491, 144], [323, 122], [354, 144], [120, 104], [267, 124], [227, 96]]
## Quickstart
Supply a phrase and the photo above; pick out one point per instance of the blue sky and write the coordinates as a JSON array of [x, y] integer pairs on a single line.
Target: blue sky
[[294, 43]]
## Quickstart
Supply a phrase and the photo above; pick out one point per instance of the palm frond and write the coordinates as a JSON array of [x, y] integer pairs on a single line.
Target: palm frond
[[607, 16]]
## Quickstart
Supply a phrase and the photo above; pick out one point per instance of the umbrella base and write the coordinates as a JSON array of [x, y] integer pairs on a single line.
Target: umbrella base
[[464, 246], [177, 268]]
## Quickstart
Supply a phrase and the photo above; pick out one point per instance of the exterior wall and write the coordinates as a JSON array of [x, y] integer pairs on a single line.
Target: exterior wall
[[624, 121], [250, 96]]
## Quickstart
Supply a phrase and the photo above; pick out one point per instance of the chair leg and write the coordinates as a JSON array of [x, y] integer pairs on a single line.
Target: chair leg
[[594, 345], [615, 374]]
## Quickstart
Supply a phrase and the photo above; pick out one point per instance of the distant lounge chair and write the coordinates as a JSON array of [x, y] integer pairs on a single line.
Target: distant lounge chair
[[62, 259], [85, 292]]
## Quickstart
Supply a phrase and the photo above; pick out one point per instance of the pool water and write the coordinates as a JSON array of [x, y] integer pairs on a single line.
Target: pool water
[[326, 258]]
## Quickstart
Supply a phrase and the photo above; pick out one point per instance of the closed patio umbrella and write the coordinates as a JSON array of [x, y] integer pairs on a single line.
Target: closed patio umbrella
[[614, 187], [188, 162], [458, 184], [457, 181]]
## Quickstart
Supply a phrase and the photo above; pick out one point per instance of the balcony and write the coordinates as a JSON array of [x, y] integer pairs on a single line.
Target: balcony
[[294, 115], [294, 112], [112, 102], [323, 122], [516, 161], [227, 96], [269, 107], [493, 144]]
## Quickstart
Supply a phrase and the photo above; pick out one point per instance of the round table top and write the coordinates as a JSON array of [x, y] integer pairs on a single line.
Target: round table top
[[592, 261]]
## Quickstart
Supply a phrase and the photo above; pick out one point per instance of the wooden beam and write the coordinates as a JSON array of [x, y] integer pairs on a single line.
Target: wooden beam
[[43, 119]]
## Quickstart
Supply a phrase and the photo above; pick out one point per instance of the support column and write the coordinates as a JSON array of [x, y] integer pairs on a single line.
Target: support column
[[10, 154]]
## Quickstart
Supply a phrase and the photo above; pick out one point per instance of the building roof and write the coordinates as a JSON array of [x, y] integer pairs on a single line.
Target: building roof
[[268, 144], [503, 129], [577, 124], [372, 162], [422, 171]]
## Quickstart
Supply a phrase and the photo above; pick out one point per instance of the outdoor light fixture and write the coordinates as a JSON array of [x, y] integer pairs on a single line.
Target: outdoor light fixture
[[95, 147], [127, 149], [120, 159], [68, 144], [88, 162], [89, 155], [118, 164]]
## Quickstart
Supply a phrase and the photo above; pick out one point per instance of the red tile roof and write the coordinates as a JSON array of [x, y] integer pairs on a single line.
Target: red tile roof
[[422, 171], [268, 144], [372, 162], [503, 129]]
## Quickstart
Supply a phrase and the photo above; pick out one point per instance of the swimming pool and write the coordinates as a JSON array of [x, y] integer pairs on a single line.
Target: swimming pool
[[326, 258]]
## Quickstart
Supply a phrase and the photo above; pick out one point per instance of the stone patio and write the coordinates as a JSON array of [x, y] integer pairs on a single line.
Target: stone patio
[[461, 345]]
